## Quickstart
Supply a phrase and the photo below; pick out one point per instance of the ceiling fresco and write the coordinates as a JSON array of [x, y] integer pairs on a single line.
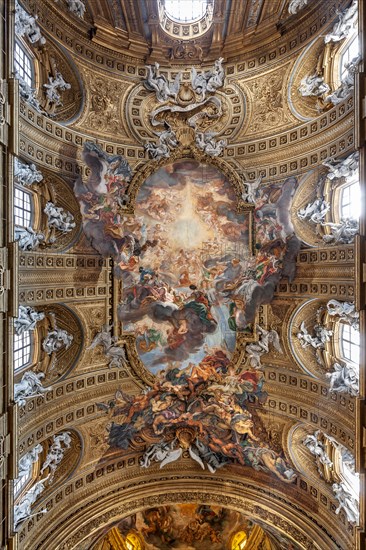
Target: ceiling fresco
[[192, 285], [190, 527]]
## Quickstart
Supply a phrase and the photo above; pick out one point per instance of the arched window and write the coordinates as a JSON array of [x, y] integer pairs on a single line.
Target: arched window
[[350, 199], [23, 65], [21, 482], [350, 344], [186, 10], [22, 207], [349, 52], [22, 349]]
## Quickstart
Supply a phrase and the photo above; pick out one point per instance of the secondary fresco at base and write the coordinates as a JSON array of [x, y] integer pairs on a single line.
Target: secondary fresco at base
[[193, 527], [190, 286]]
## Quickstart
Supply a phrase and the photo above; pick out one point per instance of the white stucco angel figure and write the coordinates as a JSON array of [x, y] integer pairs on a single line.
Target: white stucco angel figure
[[161, 452], [344, 379], [26, 462], [316, 447], [27, 238], [26, 25], [249, 193], [347, 502], [103, 338], [296, 5], [155, 82], [208, 81], [28, 94], [23, 510], [58, 218], [27, 319], [322, 335], [115, 353], [347, 85], [341, 233], [344, 168], [29, 386], [344, 310], [206, 142], [314, 211], [26, 174], [55, 340], [262, 346], [202, 454], [167, 140], [344, 25], [77, 7], [56, 453], [313, 86], [53, 88]]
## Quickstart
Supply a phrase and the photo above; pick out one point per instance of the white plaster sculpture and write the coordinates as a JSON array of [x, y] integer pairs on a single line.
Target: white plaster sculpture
[[56, 453], [103, 338], [155, 82], [341, 233], [29, 386], [257, 349], [160, 452], [26, 174], [27, 238], [348, 83], [115, 354], [58, 218], [344, 379], [316, 447], [28, 94], [346, 311], [313, 86], [23, 510], [26, 462], [208, 81], [206, 142], [296, 5], [27, 319], [167, 141], [202, 454], [52, 88], [314, 211], [347, 502], [344, 168], [248, 195], [26, 25], [322, 335], [55, 340], [345, 24], [77, 7]]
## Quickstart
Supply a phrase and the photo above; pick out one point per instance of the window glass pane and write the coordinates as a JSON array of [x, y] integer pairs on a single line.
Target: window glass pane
[[20, 483], [186, 10], [350, 201], [350, 344], [23, 64], [22, 350], [22, 208], [349, 53]]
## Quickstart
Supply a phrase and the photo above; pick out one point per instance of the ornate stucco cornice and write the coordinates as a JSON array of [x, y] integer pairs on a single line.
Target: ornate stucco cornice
[[123, 495]]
